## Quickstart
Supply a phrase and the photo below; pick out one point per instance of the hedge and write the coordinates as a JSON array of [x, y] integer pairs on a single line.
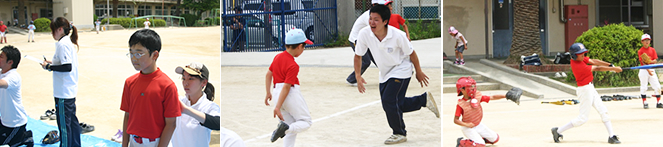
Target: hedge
[[125, 22], [43, 25], [617, 44], [190, 19]]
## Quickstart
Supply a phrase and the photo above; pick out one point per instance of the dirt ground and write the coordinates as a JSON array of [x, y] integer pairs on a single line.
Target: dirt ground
[[529, 124], [104, 67], [342, 116]]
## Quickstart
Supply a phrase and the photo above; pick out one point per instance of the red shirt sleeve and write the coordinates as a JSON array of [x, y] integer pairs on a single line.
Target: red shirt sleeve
[[401, 21], [653, 52], [291, 74], [126, 93], [485, 98], [459, 111], [171, 104]]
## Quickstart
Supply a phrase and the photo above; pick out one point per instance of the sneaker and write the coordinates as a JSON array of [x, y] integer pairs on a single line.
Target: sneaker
[[54, 116], [556, 135], [351, 84], [33, 41], [85, 128], [280, 131], [46, 115], [394, 139], [431, 105], [458, 141], [456, 62], [614, 140], [28, 139], [659, 105], [462, 63], [117, 137], [646, 106]]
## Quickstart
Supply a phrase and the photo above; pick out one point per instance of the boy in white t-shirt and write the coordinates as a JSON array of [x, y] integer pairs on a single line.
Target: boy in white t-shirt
[[31, 31], [395, 58], [461, 45], [360, 23], [147, 23], [12, 113]]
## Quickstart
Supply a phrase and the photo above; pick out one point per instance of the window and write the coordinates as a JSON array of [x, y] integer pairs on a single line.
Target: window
[[100, 9], [158, 10], [48, 13], [144, 10], [172, 10], [617, 11]]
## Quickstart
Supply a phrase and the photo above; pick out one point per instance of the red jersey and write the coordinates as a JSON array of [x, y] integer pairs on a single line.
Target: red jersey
[[582, 71], [470, 114], [284, 69], [651, 52], [149, 99], [396, 21], [3, 28]]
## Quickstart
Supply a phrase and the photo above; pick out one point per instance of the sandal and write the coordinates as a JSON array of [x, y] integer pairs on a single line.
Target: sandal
[[86, 128], [47, 115]]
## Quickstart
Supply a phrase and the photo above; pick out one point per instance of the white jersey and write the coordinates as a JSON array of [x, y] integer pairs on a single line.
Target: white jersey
[[230, 138], [12, 111], [191, 132], [360, 23], [147, 24], [392, 54], [460, 41], [65, 84]]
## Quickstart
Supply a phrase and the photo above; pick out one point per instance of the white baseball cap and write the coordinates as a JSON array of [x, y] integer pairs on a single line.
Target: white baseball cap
[[296, 36], [645, 36], [453, 30], [381, 2]]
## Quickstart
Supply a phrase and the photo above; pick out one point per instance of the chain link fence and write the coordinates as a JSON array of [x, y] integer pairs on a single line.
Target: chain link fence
[[409, 9]]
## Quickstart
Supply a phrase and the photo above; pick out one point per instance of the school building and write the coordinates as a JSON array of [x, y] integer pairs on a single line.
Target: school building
[[488, 24], [82, 12]]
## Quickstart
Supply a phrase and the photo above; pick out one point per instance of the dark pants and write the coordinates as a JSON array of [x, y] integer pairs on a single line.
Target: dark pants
[[365, 63], [14, 136], [238, 46], [394, 103], [70, 130]]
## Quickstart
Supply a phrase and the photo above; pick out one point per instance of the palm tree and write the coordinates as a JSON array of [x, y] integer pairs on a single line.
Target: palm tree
[[526, 39]]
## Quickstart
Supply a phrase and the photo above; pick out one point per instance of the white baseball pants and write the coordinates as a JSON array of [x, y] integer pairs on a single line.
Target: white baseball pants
[[589, 98], [646, 78], [2, 34], [146, 142], [479, 132], [31, 35], [295, 113]]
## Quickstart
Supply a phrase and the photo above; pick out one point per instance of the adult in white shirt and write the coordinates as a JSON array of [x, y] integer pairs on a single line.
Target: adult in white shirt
[[199, 96], [395, 58], [12, 113], [362, 22]]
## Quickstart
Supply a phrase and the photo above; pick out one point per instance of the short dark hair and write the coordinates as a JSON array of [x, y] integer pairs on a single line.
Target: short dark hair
[[294, 46], [12, 54], [383, 11], [147, 38]]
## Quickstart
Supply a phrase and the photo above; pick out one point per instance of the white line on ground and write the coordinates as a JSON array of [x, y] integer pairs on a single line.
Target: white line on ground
[[319, 119]]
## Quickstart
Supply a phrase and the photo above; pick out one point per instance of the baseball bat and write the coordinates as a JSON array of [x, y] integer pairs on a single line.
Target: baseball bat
[[555, 102], [650, 66]]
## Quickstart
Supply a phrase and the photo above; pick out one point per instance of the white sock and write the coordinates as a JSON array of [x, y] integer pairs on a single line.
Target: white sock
[[565, 127], [461, 59], [456, 59], [608, 126]]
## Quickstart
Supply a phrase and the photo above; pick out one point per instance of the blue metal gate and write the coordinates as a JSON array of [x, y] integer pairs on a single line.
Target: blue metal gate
[[265, 22]]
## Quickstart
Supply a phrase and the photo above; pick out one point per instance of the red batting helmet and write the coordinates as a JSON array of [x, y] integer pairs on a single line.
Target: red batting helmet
[[466, 82]]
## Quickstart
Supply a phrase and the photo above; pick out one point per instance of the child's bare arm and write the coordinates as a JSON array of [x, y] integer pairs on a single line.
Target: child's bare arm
[[167, 132], [268, 87], [463, 39], [461, 123], [282, 97], [497, 97], [125, 135], [407, 32]]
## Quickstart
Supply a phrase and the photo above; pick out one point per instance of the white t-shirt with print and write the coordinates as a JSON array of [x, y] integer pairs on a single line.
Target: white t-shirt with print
[[392, 54], [360, 23], [460, 41], [65, 84], [191, 132], [12, 111]]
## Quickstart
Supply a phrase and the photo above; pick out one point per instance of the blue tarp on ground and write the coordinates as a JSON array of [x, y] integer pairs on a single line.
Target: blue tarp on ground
[[39, 130]]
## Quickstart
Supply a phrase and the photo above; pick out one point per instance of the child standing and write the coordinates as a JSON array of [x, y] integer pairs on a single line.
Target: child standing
[[582, 67], [147, 23], [65, 80], [31, 31], [461, 45], [97, 25], [647, 75], [291, 107], [396, 20], [12, 113], [3, 32], [149, 99], [395, 58], [199, 96]]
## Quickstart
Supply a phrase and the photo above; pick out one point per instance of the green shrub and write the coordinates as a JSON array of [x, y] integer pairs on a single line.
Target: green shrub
[[124, 22], [617, 44], [190, 19], [158, 22], [43, 25], [95, 18], [423, 30]]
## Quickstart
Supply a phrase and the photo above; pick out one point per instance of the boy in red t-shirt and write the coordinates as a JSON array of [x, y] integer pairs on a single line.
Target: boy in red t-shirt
[[396, 20], [469, 107], [3, 31], [586, 92], [648, 75], [291, 107], [149, 100]]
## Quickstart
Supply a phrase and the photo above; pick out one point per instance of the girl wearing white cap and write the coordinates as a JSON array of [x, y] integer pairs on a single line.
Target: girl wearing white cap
[[646, 75], [199, 96]]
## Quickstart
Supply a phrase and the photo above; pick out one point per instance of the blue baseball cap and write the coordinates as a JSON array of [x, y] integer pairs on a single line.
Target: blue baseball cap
[[577, 48], [296, 36]]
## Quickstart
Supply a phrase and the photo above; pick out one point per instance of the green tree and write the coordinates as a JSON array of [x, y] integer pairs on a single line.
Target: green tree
[[200, 6]]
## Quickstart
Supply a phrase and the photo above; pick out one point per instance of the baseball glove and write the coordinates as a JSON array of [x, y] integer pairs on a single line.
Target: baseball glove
[[514, 95], [645, 58]]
